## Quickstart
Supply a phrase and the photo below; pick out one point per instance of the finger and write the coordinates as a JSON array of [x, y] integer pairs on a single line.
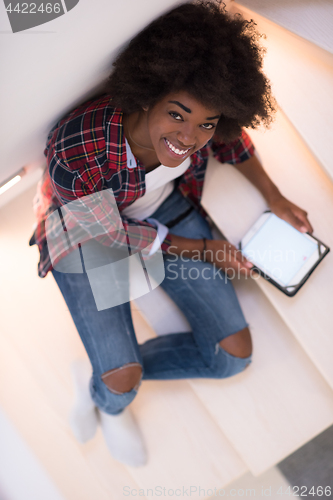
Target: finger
[[233, 273], [235, 262], [244, 271], [306, 226], [239, 267], [310, 230], [232, 255], [243, 260], [295, 221], [229, 267], [235, 254], [231, 250]]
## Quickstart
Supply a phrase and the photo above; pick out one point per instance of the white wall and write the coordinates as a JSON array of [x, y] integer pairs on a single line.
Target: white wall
[[48, 69]]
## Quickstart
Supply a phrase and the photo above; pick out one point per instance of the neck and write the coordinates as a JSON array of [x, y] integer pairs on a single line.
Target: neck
[[136, 131]]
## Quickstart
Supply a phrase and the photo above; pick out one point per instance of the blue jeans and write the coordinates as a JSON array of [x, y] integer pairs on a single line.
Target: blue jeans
[[206, 297]]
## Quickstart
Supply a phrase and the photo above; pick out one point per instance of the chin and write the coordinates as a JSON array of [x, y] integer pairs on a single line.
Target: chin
[[169, 158], [172, 164]]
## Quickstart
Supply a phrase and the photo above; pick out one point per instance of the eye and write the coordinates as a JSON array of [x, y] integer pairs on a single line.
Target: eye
[[208, 126], [175, 115]]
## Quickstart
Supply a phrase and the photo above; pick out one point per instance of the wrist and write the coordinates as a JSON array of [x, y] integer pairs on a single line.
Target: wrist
[[186, 247], [203, 251], [207, 253], [272, 195]]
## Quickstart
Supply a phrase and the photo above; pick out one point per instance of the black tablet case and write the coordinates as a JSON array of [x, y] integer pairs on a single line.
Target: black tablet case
[[291, 290]]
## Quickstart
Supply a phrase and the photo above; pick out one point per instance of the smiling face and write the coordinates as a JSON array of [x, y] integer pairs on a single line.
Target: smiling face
[[179, 125]]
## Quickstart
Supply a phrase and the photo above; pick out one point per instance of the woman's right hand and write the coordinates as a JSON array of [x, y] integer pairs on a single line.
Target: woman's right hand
[[227, 257], [219, 252]]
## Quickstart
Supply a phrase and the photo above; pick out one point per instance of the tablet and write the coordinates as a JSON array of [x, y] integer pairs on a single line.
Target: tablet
[[281, 254]]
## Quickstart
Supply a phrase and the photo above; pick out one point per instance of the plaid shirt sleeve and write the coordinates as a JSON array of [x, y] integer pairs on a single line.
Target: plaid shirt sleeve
[[89, 211], [86, 181], [236, 151]]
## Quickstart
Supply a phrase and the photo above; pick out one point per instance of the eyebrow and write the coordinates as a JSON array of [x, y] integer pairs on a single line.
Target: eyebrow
[[190, 111]]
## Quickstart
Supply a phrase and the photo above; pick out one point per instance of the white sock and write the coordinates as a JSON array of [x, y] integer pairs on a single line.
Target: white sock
[[83, 418], [123, 437]]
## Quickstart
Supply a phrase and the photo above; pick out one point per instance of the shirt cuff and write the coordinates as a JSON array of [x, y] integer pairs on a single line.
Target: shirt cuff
[[162, 231]]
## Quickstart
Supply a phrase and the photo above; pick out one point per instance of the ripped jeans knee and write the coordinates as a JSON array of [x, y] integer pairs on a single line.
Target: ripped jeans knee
[[226, 365], [107, 398], [123, 378]]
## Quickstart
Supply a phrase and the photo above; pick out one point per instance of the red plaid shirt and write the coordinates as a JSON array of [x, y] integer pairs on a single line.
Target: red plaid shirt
[[86, 153]]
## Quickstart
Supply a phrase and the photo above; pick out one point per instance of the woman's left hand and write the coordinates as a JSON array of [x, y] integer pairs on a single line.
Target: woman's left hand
[[292, 214]]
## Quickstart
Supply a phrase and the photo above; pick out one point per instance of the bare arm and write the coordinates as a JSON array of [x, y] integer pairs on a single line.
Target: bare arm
[[279, 205], [219, 252]]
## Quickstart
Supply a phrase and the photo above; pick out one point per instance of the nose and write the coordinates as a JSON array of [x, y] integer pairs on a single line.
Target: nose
[[186, 135]]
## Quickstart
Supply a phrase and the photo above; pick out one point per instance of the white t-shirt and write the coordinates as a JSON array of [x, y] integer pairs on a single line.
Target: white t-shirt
[[159, 185]]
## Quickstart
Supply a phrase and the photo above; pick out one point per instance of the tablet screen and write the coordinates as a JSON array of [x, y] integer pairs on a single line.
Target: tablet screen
[[279, 250]]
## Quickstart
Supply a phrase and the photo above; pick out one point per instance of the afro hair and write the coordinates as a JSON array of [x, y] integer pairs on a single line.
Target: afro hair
[[199, 48]]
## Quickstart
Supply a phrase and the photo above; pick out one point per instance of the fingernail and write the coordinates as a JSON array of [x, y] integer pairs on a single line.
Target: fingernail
[[249, 265]]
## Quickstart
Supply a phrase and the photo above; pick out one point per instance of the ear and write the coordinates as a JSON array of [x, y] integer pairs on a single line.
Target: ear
[[145, 108]]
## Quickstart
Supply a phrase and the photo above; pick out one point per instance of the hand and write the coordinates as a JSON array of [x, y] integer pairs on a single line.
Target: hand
[[292, 214], [227, 257]]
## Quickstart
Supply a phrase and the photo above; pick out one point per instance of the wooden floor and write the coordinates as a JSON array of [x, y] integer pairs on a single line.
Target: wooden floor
[[17, 461]]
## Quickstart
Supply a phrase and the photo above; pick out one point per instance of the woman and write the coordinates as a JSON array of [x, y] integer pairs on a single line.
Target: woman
[[187, 83]]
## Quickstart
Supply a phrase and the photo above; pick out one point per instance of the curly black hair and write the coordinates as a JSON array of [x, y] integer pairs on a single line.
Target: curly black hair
[[199, 48]]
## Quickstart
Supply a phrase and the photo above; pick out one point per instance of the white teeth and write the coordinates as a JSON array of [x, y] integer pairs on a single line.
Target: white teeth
[[175, 150]]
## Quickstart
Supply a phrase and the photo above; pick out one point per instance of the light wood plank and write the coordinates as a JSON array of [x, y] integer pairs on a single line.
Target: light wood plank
[[310, 20], [17, 460], [276, 405], [270, 483], [47, 434], [300, 178], [302, 81], [279, 402]]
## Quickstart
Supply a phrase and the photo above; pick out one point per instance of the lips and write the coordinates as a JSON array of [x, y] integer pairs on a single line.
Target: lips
[[174, 149]]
